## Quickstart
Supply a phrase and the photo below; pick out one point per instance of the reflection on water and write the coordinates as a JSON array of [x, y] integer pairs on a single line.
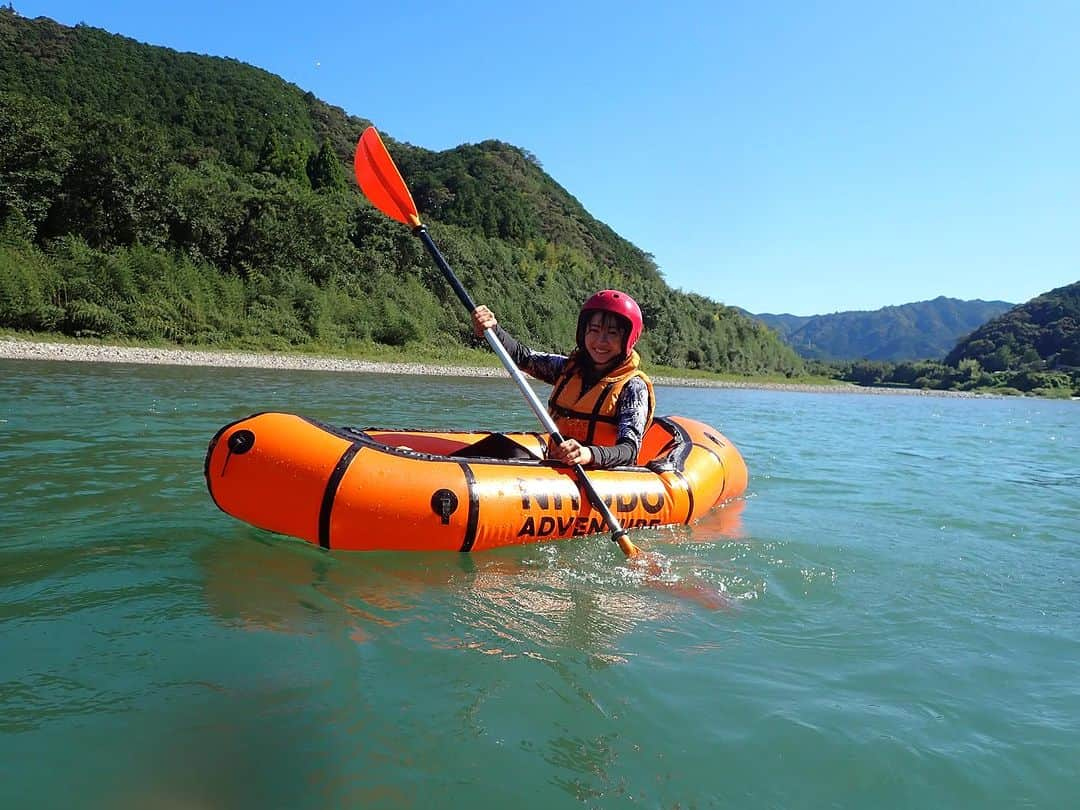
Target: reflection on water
[[722, 523], [512, 602], [568, 608]]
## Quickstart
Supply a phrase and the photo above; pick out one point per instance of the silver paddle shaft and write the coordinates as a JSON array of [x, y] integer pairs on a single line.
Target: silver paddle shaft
[[526, 389]]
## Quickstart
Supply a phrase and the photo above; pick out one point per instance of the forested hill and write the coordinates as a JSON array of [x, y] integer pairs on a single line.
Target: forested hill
[[1041, 335], [150, 194], [919, 331]]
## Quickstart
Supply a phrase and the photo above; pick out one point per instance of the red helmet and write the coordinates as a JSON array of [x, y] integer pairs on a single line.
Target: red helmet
[[617, 303]]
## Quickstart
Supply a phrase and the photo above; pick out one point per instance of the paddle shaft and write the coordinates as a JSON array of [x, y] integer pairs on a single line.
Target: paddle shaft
[[618, 533]]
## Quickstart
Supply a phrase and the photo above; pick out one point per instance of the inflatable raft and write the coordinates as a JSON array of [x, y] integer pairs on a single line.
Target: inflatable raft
[[408, 490]]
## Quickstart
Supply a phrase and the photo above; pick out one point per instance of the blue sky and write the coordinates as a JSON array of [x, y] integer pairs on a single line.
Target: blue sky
[[778, 156]]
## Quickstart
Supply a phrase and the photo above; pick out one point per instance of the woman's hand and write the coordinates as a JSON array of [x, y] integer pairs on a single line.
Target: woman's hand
[[571, 452], [483, 318]]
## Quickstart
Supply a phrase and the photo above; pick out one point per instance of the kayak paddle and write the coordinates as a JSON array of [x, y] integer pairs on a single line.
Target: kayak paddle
[[383, 185]]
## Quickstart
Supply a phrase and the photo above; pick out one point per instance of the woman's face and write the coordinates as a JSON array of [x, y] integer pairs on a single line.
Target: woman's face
[[604, 337]]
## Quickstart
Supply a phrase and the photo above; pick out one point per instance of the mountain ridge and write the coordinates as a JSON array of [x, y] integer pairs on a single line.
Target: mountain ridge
[[165, 195], [920, 330]]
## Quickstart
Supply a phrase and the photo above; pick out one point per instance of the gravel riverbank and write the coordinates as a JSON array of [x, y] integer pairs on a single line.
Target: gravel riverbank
[[20, 349]]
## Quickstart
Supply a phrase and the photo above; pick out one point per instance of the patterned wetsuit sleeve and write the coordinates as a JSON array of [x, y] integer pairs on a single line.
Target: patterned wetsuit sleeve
[[543, 366], [631, 411]]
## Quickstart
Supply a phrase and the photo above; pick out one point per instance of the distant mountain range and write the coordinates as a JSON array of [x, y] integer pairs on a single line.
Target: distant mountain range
[[924, 330]]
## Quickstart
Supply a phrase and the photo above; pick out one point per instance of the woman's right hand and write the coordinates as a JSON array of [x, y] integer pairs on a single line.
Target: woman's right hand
[[483, 318]]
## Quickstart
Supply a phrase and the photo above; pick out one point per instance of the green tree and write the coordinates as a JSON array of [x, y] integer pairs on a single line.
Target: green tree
[[282, 159], [32, 158], [324, 170], [113, 191]]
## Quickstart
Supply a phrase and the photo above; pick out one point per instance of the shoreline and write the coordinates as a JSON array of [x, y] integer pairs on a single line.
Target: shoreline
[[21, 349]]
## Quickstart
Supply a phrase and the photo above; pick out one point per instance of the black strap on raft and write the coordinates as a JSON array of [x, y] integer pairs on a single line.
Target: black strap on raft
[[330, 493]]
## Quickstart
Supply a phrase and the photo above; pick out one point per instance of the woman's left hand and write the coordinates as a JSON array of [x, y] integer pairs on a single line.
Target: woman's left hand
[[572, 452]]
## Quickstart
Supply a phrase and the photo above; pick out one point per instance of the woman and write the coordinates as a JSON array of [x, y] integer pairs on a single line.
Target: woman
[[601, 401]]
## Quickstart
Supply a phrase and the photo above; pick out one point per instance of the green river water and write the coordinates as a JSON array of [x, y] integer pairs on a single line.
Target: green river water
[[899, 623]]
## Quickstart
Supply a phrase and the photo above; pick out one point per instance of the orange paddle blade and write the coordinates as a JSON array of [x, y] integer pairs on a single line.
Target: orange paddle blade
[[381, 181]]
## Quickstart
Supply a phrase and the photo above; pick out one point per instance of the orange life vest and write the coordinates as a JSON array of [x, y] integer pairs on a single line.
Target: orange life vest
[[588, 414]]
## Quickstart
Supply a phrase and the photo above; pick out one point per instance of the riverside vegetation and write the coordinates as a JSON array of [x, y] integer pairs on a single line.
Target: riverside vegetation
[[151, 196]]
